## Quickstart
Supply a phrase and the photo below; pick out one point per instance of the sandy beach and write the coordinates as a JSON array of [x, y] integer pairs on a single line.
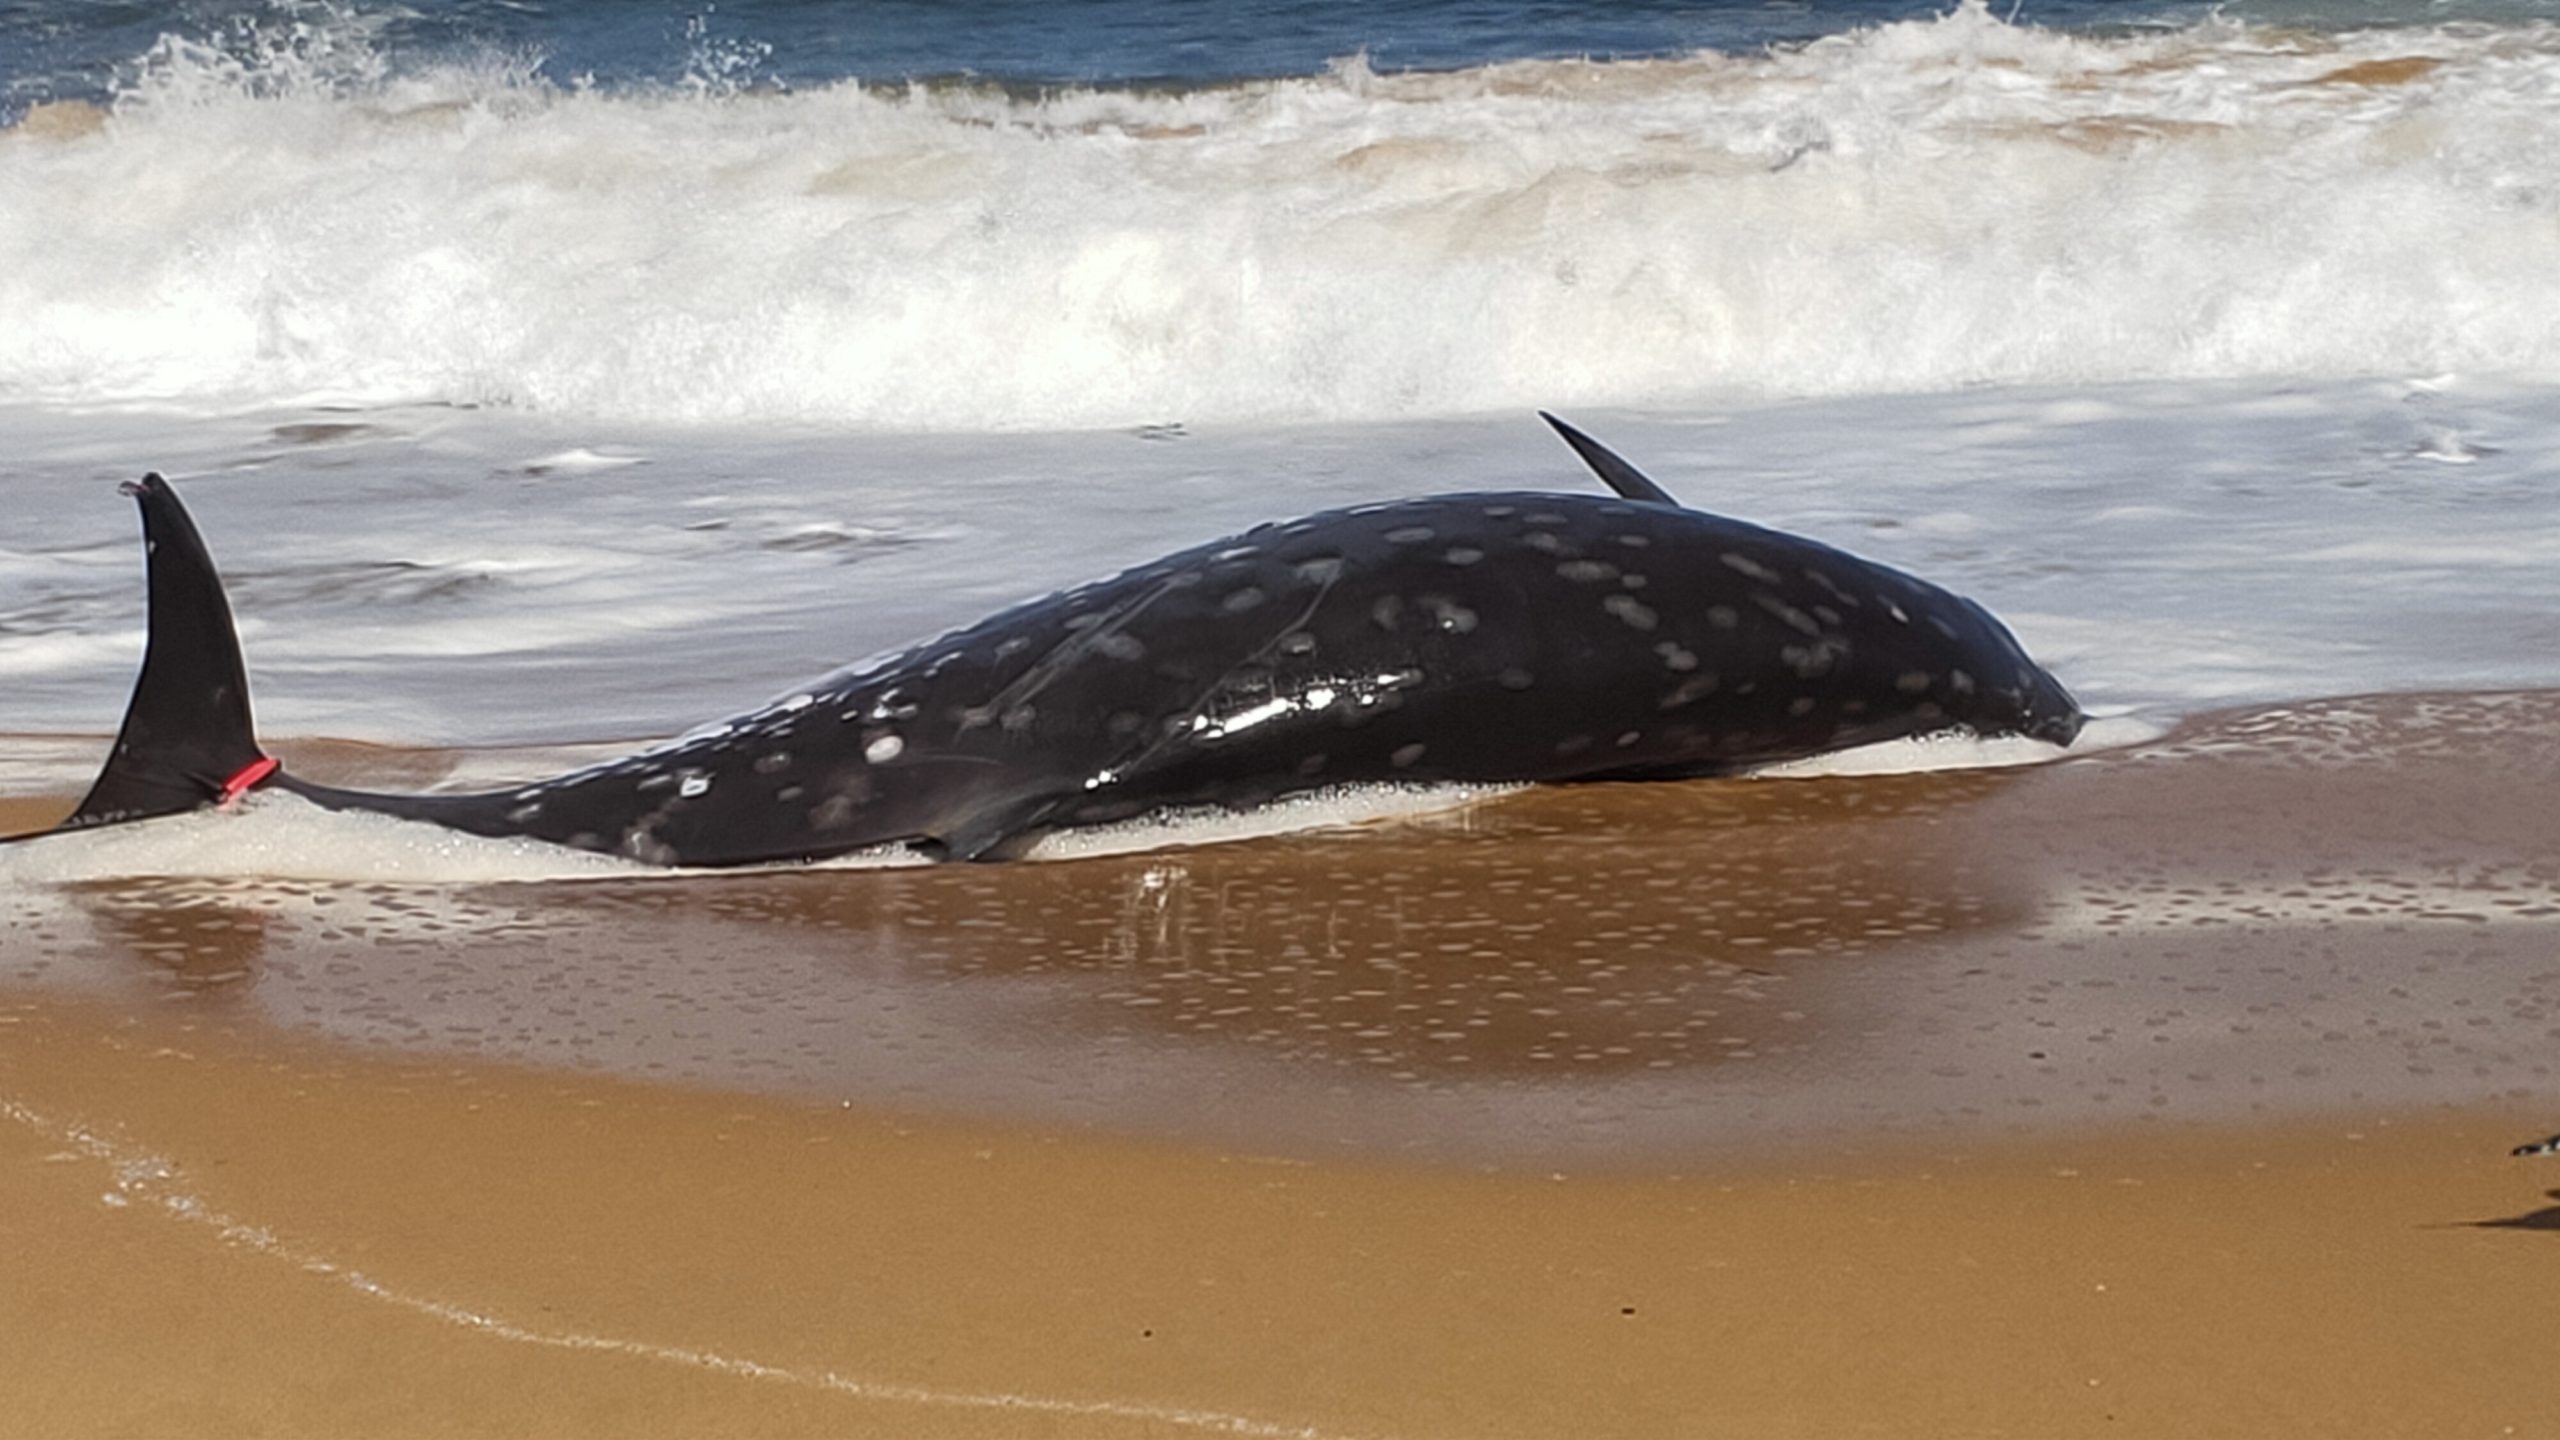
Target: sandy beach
[[2163, 1091], [217, 1239]]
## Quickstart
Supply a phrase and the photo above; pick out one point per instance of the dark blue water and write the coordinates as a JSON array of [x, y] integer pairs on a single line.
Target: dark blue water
[[82, 49]]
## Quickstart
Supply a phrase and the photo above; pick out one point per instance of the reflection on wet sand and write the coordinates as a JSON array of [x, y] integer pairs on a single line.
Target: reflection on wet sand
[[194, 940], [2346, 902], [1381, 988], [1581, 930]]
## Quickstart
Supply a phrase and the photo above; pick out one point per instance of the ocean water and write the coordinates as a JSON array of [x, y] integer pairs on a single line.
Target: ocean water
[[546, 373]]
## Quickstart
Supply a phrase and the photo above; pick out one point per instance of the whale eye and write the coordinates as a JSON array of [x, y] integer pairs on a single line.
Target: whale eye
[[1449, 615]]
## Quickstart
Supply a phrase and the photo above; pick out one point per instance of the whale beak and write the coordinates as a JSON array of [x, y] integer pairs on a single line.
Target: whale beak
[[2052, 715]]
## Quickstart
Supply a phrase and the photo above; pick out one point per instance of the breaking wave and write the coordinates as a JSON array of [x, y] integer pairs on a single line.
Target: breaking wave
[[1913, 206]]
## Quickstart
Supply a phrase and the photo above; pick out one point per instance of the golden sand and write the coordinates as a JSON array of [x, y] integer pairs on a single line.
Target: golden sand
[[2164, 1092], [210, 1239]]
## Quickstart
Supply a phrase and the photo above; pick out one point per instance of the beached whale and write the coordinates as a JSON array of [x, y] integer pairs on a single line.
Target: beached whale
[[1473, 637]]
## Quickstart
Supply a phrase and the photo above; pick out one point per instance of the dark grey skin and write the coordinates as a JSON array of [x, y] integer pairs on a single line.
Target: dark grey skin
[[1477, 637]]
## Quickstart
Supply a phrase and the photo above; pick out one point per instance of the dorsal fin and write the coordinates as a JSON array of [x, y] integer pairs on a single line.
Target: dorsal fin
[[186, 736], [1611, 467]]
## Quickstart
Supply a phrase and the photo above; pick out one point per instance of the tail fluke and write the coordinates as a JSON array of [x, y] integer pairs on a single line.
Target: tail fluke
[[186, 740], [1611, 467]]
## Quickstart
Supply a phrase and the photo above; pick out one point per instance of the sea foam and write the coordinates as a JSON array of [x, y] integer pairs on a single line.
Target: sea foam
[[1909, 207]]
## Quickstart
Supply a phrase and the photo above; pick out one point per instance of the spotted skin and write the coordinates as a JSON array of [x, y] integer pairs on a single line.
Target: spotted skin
[[1526, 636], [1478, 637]]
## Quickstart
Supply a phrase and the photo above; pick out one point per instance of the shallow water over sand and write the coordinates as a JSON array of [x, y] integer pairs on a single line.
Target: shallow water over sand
[[2335, 903]]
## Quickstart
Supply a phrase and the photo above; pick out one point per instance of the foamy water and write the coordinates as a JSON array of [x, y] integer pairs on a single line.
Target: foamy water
[[418, 577], [275, 836], [1912, 207], [281, 837]]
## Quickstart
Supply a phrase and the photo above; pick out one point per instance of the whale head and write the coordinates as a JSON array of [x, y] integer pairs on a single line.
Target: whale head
[[2015, 697]]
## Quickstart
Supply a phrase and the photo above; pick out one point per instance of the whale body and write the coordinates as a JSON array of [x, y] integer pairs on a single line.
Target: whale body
[[1480, 637]]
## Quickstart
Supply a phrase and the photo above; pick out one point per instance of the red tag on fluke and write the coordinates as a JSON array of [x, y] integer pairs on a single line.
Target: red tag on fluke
[[250, 774]]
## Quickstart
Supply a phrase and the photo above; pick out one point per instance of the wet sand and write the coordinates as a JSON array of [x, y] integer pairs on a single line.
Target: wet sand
[[2158, 1092], [216, 1239]]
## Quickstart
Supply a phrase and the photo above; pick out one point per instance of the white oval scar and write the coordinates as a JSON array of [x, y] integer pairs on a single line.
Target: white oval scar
[[884, 749]]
